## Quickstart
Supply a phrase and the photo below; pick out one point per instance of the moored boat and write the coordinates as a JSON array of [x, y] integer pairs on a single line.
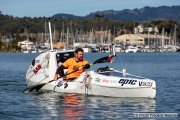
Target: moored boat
[[133, 49]]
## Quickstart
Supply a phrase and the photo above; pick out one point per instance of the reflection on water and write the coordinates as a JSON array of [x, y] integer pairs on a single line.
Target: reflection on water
[[76, 106], [72, 106]]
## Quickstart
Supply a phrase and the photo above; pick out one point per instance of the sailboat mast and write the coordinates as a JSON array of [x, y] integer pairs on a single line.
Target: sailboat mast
[[101, 37], [54, 38], [50, 36], [163, 38], [175, 35], [67, 39]]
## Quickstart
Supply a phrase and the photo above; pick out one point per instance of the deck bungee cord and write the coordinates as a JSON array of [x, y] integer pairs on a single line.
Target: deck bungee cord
[[40, 66]]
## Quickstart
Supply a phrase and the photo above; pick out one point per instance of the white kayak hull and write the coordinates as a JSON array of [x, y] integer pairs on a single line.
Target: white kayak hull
[[112, 83], [104, 91]]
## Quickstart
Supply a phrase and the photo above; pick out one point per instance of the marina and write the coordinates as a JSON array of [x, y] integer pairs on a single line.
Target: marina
[[144, 39]]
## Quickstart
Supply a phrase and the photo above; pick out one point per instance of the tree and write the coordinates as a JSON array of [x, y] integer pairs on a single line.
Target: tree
[[1, 44]]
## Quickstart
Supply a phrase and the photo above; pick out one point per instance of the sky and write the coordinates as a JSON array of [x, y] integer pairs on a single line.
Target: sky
[[48, 8]]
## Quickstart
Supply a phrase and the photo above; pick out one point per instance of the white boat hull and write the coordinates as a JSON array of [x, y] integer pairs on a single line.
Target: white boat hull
[[109, 82], [100, 90], [74, 87]]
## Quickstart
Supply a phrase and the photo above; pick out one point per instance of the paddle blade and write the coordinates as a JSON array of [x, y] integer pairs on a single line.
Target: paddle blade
[[110, 58], [38, 87], [104, 59], [34, 88], [101, 60]]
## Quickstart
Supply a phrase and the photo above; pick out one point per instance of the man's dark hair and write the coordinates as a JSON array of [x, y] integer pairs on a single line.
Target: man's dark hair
[[79, 49]]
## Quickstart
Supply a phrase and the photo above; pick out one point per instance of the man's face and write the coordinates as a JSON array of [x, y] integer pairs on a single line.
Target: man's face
[[79, 55]]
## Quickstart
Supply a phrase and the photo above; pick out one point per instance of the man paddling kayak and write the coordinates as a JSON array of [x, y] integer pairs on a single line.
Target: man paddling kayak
[[77, 64]]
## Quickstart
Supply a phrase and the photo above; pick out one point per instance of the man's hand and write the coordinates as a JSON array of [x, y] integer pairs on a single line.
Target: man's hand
[[86, 66]]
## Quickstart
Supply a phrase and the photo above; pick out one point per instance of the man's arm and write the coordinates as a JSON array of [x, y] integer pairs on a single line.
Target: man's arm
[[57, 71]]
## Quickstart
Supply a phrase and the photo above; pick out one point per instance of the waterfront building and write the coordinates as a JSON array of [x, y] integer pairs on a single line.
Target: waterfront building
[[143, 39]]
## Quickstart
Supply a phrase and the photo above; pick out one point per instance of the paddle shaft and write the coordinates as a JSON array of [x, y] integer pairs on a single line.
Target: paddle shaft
[[62, 76]]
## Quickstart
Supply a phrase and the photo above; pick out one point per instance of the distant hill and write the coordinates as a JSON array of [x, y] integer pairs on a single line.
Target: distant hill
[[63, 15], [142, 14]]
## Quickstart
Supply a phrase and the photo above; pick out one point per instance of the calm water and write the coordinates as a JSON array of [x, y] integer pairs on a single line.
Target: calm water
[[164, 68]]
